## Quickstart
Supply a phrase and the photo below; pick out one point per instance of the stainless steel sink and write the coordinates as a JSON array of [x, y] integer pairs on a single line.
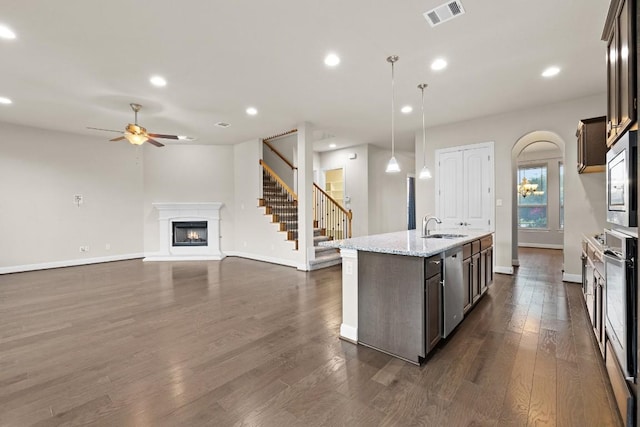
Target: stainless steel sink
[[444, 236]]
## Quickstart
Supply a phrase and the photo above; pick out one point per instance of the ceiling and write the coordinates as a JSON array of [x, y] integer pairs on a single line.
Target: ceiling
[[78, 63]]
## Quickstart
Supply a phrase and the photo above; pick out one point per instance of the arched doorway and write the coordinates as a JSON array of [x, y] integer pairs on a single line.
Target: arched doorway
[[536, 149]]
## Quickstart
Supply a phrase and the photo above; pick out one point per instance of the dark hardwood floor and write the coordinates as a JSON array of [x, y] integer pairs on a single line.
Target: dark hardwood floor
[[240, 342]]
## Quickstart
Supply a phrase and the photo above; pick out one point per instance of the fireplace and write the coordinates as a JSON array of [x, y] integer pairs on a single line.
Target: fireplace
[[189, 233]]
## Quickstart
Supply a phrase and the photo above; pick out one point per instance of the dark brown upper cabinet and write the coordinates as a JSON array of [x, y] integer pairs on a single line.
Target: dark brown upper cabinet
[[592, 146], [619, 33]]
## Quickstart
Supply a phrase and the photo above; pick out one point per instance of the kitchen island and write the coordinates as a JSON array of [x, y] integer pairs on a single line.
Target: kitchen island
[[402, 293]]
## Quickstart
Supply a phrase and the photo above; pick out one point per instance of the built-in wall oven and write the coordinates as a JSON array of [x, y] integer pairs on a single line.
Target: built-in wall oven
[[621, 296], [621, 181]]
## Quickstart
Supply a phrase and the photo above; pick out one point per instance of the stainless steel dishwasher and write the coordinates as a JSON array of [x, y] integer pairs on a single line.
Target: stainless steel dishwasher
[[452, 290]]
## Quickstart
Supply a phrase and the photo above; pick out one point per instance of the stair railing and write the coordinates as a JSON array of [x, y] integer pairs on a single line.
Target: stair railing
[[329, 216], [279, 154], [292, 178], [291, 195]]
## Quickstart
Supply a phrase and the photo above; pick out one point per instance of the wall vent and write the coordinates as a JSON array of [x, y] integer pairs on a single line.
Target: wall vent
[[223, 125], [444, 13]]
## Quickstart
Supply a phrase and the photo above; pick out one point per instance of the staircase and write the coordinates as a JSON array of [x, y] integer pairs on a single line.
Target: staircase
[[330, 219], [283, 208], [280, 205], [325, 257]]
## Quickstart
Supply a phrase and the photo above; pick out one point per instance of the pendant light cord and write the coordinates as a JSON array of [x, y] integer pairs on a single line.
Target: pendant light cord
[[392, 111], [424, 137]]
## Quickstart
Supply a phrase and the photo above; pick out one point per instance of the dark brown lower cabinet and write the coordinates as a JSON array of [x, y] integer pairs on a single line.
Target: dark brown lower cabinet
[[475, 278], [477, 269], [489, 269], [433, 294], [466, 279], [483, 272], [486, 263], [391, 304]]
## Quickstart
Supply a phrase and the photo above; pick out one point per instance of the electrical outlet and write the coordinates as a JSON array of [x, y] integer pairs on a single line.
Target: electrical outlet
[[107, 246], [84, 248]]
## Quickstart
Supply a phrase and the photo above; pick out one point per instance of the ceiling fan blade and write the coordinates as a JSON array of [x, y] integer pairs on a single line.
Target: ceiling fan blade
[[106, 130], [154, 142], [159, 135], [120, 138]]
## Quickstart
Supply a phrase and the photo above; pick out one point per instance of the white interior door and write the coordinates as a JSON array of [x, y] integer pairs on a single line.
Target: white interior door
[[478, 191], [465, 187], [450, 174]]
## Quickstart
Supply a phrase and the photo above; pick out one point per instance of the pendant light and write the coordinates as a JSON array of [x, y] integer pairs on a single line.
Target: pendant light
[[425, 173], [393, 166]]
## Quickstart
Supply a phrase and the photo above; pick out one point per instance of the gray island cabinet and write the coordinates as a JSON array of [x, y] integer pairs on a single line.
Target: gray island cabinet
[[403, 293]]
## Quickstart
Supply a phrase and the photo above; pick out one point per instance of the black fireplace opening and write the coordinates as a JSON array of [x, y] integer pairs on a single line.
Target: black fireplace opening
[[189, 233]]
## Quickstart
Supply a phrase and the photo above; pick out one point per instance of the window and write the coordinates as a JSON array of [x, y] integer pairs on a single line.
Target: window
[[532, 206], [561, 173], [411, 203]]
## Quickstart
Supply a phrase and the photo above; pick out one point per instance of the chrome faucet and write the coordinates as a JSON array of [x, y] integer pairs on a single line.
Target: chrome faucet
[[425, 224]]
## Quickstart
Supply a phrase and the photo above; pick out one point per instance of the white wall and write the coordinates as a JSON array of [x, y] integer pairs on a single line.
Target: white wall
[[552, 236], [286, 147], [584, 195], [356, 181], [188, 173], [388, 192], [255, 236], [40, 172]]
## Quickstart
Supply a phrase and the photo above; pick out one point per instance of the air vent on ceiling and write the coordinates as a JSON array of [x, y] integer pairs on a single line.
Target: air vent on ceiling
[[223, 125], [444, 13]]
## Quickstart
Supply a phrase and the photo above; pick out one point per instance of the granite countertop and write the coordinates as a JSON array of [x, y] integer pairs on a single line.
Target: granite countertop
[[408, 242]]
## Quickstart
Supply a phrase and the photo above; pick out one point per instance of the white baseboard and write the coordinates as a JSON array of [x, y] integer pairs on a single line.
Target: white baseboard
[[272, 260], [349, 333], [540, 245], [574, 278], [67, 263], [183, 258], [502, 270]]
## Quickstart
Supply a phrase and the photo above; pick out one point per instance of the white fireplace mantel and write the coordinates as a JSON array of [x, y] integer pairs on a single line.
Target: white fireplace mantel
[[169, 212]]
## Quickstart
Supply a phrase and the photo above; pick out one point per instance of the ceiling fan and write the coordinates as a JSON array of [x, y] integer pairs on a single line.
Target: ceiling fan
[[137, 135]]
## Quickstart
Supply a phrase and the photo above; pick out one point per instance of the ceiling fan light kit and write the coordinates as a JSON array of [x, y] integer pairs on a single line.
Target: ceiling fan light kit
[[135, 138], [137, 135]]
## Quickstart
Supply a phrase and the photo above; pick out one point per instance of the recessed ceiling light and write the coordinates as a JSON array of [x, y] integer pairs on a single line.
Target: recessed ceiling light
[[332, 145], [5, 101], [406, 109], [158, 81], [331, 60], [6, 33], [550, 72], [252, 111], [439, 64]]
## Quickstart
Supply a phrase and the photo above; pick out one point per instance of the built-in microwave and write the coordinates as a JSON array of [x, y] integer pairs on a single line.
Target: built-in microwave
[[621, 181]]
